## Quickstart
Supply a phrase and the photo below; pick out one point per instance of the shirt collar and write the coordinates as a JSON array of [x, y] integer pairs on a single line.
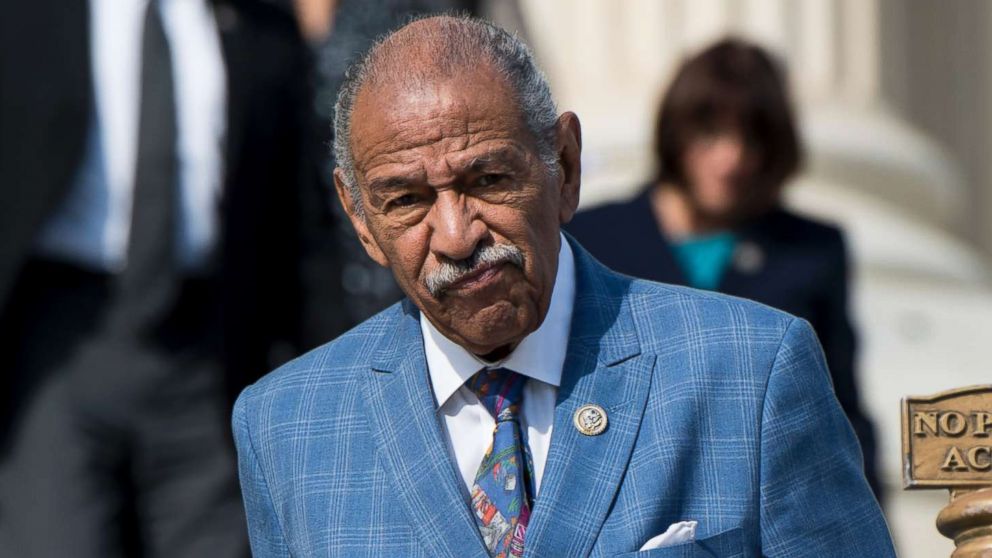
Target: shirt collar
[[540, 355]]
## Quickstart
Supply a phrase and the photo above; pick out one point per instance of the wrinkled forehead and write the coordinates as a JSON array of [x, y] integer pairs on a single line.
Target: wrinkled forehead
[[433, 117]]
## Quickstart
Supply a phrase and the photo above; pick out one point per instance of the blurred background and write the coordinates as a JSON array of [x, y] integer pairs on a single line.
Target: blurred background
[[892, 99]]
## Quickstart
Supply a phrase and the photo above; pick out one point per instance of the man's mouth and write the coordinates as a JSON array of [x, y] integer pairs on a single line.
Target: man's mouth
[[478, 278], [479, 270]]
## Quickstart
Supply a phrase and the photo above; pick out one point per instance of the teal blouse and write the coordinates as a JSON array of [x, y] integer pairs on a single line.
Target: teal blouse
[[704, 259]]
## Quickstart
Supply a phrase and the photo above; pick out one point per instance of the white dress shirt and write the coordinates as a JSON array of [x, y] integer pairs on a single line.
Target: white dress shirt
[[92, 226], [539, 356]]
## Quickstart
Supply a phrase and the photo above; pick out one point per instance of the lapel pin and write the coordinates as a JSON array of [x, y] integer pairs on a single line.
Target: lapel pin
[[590, 420]]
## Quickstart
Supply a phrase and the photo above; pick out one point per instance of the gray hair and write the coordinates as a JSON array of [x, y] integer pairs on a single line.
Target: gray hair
[[449, 272], [452, 44]]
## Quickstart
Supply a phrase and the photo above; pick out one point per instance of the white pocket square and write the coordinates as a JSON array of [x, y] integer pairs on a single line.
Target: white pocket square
[[677, 533]]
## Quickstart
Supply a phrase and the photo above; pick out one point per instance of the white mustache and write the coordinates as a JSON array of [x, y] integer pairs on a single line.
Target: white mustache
[[450, 272]]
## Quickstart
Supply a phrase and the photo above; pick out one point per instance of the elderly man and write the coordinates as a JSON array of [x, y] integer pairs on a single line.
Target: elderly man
[[525, 400]]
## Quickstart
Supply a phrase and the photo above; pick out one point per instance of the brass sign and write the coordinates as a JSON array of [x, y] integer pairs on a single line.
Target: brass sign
[[947, 439]]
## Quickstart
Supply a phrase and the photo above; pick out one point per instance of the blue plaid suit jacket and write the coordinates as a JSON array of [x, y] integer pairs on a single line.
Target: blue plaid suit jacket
[[720, 411]]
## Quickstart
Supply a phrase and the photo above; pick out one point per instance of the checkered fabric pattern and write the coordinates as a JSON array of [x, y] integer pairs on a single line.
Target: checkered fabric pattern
[[720, 411], [501, 495]]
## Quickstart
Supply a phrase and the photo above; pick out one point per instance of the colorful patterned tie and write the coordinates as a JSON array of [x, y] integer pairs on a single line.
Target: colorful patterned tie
[[501, 494]]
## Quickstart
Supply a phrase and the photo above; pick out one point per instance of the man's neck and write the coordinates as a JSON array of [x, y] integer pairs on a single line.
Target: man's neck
[[498, 354]]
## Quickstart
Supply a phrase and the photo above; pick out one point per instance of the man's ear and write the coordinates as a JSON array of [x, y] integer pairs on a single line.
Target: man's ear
[[569, 144], [357, 221]]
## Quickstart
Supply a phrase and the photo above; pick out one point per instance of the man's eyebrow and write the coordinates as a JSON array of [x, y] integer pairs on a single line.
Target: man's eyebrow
[[388, 183], [500, 156]]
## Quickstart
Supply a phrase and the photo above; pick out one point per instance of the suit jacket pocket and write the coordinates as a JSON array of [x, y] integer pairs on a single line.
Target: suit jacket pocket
[[726, 544]]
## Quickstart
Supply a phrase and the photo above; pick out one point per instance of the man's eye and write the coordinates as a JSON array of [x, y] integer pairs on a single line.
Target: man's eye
[[490, 179], [405, 200]]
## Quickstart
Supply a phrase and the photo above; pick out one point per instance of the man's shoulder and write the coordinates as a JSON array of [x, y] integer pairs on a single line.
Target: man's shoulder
[[331, 365], [648, 298], [665, 312], [668, 317]]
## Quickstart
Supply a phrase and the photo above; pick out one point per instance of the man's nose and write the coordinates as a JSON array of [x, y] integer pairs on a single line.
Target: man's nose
[[455, 229]]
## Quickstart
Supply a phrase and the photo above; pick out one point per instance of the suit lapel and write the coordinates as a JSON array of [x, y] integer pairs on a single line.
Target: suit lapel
[[604, 366], [410, 438]]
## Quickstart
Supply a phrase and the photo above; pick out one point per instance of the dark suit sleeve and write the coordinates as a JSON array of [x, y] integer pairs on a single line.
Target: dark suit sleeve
[[264, 529], [833, 326], [814, 498]]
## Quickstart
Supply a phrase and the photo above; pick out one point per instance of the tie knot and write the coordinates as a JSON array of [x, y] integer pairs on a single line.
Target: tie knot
[[500, 390]]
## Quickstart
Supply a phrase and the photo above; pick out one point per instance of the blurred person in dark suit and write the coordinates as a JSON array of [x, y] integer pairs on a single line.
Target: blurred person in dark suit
[[339, 31], [725, 145], [158, 202]]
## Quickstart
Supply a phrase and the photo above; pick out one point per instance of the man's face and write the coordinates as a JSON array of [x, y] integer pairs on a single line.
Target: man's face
[[459, 205]]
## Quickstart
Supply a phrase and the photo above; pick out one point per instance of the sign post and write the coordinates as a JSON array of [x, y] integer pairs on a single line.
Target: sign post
[[947, 443]]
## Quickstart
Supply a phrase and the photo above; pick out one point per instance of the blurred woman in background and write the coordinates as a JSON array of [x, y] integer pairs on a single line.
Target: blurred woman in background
[[725, 145]]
